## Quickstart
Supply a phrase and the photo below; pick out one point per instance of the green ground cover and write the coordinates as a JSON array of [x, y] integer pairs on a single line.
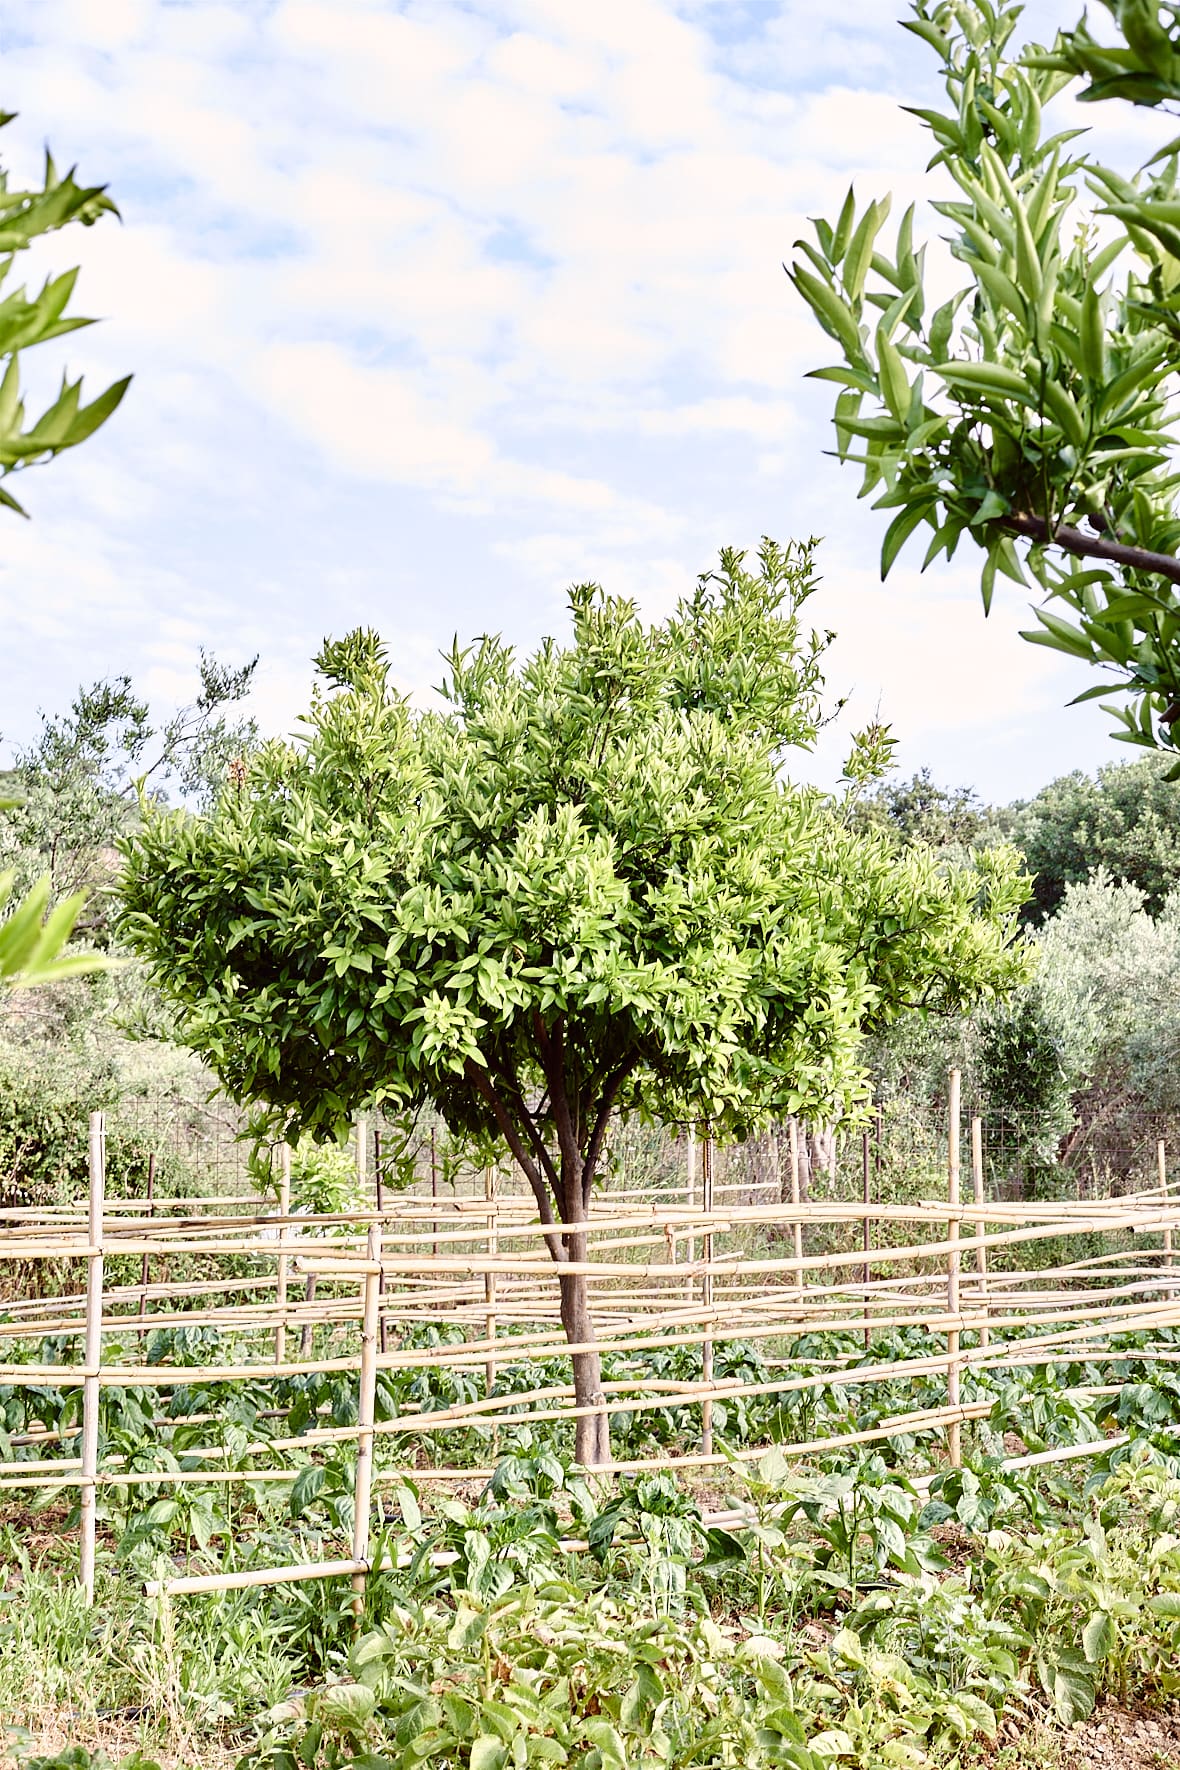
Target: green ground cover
[[865, 1608]]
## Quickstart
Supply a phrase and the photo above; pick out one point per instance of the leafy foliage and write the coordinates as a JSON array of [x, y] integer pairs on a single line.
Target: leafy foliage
[[1033, 405], [590, 869], [78, 785], [26, 215], [1125, 821]]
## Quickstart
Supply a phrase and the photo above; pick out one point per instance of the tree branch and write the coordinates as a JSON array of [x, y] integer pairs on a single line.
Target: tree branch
[[552, 1048], [528, 1120], [483, 1087], [610, 1094], [1077, 541]]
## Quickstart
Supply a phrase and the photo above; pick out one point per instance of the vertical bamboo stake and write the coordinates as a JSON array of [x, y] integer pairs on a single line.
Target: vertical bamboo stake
[[1162, 1158], [143, 1270], [489, 1278], [866, 1270], [707, 1294], [362, 1152], [797, 1226], [305, 1338], [92, 1381], [980, 1225], [434, 1187], [366, 1412], [283, 1260], [954, 1435], [690, 1188], [379, 1180]]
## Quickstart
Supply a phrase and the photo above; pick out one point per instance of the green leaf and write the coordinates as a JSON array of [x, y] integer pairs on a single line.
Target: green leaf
[[487, 1753], [860, 248], [1093, 337], [902, 526], [1073, 1694], [832, 313], [1098, 1636]]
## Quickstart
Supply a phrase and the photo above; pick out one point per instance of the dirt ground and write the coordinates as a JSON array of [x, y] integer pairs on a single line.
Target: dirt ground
[[1118, 1739]]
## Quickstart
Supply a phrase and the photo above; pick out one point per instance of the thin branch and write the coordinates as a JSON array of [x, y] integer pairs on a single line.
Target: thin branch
[[483, 1087], [552, 1048], [610, 1094], [528, 1120], [1084, 546]]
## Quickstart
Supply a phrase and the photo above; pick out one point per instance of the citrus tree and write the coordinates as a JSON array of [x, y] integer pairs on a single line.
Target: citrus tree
[[1032, 413], [584, 888]]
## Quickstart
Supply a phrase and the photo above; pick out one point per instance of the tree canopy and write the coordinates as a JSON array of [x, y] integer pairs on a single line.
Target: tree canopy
[[1031, 413], [77, 786], [1126, 822], [584, 887]]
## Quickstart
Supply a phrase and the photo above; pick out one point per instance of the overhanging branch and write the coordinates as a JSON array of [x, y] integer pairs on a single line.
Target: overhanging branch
[[1084, 546]]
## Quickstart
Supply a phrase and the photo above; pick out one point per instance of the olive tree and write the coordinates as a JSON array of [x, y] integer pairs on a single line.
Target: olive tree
[[584, 888], [1033, 412]]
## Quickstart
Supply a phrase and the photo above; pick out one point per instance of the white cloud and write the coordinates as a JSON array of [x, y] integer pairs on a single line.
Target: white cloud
[[438, 305]]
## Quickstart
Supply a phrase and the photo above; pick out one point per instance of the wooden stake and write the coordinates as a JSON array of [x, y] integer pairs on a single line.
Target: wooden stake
[[283, 1260], [707, 1294], [797, 1226], [366, 1412], [954, 1430], [380, 1184], [143, 1271], [866, 1270], [690, 1188], [92, 1381], [980, 1225], [305, 1338], [434, 1186], [489, 1281], [1162, 1159]]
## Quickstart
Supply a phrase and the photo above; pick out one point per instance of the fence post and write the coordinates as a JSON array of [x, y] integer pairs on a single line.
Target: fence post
[[707, 1294], [797, 1226], [1162, 1159], [379, 1184], [92, 1381], [489, 1277], [283, 1260], [867, 1189], [434, 1188], [151, 1211], [366, 1412], [690, 1189], [954, 1435], [980, 1224]]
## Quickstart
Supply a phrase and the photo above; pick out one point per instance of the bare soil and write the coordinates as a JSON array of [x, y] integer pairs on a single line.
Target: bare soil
[[1121, 1739]]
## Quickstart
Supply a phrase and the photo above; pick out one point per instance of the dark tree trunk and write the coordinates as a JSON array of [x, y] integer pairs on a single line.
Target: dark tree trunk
[[592, 1430], [564, 1180]]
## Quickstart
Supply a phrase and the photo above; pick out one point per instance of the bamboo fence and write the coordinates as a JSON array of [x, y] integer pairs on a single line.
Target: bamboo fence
[[690, 1269]]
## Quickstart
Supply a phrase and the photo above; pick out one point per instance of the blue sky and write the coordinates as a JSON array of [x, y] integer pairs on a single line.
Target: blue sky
[[436, 308]]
